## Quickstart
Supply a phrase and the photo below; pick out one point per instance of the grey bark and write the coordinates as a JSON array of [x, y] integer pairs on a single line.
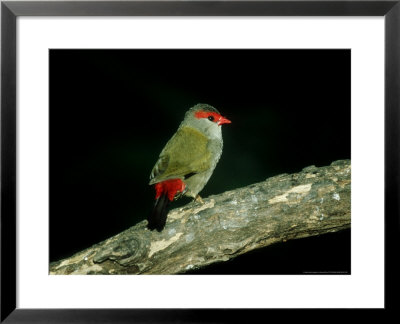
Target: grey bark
[[312, 202]]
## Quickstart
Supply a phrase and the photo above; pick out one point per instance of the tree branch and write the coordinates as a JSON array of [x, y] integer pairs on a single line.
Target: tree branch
[[289, 206]]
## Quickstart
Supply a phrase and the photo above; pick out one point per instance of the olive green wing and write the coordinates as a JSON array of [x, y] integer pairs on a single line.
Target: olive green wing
[[185, 154]]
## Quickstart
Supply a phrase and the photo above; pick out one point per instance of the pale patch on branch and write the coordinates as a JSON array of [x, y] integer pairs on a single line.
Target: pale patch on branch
[[302, 189], [163, 244]]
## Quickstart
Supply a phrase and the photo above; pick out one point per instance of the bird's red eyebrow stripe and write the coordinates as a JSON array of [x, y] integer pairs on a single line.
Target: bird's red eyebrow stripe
[[206, 114]]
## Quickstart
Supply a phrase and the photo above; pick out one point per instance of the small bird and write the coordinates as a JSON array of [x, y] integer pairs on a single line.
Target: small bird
[[187, 161]]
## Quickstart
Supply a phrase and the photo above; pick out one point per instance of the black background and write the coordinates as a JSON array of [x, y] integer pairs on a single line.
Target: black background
[[112, 112]]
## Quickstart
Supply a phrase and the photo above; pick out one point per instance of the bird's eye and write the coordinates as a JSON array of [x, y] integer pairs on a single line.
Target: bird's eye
[[211, 118]]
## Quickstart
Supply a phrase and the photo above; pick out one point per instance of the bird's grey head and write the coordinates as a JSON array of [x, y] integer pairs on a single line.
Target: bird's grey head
[[206, 119]]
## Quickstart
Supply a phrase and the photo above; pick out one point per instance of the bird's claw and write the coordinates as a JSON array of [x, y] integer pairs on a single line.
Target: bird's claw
[[198, 199]]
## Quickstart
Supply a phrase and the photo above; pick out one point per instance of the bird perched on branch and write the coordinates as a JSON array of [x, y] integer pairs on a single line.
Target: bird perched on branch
[[187, 161]]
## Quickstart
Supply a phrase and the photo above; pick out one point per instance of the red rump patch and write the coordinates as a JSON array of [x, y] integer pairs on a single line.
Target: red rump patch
[[169, 187]]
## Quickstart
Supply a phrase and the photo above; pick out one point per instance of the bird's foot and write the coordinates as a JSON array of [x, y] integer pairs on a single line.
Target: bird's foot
[[198, 199]]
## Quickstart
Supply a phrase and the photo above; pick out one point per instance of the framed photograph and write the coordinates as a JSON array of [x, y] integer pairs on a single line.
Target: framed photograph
[[123, 105], [116, 176]]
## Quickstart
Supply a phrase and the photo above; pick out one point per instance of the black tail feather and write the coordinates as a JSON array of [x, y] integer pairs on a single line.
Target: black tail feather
[[158, 216]]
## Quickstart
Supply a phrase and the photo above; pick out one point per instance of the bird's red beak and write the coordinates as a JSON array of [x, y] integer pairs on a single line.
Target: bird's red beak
[[223, 120]]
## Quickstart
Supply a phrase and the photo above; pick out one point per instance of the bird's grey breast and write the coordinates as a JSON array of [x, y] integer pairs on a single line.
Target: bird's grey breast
[[215, 147]]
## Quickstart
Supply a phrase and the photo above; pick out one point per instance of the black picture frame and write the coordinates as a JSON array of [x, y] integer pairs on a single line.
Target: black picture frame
[[10, 10]]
